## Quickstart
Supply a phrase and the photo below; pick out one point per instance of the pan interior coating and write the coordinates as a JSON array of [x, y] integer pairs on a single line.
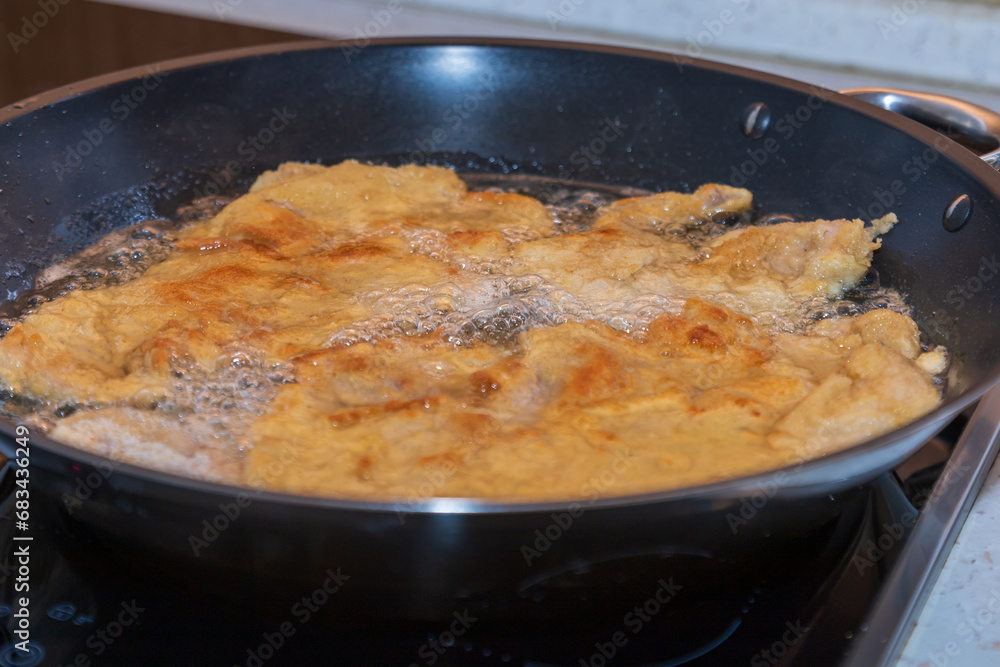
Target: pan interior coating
[[381, 333]]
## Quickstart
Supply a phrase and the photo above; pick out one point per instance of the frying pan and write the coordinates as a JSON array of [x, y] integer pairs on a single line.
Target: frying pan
[[110, 152]]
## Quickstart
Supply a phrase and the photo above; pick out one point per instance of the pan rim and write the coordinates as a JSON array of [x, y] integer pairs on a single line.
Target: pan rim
[[725, 489], [731, 488]]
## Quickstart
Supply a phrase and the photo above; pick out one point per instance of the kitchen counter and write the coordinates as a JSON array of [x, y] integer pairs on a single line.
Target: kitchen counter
[[960, 622], [931, 46]]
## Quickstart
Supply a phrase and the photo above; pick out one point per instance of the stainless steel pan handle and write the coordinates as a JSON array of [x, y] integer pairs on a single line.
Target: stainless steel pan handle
[[975, 127], [890, 623]]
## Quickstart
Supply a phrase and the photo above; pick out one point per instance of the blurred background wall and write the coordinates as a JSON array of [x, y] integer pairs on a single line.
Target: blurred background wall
[[83, 39], [941, 45]]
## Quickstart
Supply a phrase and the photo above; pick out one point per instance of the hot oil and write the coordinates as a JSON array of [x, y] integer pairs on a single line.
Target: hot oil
[[485, 304], [117, 258], [198, 399], [493, 308]]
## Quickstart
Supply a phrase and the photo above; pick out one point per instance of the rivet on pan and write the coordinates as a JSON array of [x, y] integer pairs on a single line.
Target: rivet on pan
[[755, 120], [957, 213]]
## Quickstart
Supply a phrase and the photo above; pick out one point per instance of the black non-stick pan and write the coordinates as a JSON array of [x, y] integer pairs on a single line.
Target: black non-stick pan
[[86, 159]]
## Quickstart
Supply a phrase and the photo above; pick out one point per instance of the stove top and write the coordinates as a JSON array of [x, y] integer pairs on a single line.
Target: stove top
[[809, 604]]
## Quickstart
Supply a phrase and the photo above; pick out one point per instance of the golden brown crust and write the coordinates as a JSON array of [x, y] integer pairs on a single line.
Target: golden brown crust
[[675, 211], [435, 341]]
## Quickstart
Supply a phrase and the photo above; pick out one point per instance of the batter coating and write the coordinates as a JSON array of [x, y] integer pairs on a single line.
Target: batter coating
[[374, 332]]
